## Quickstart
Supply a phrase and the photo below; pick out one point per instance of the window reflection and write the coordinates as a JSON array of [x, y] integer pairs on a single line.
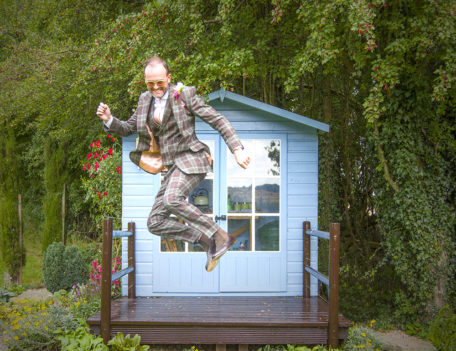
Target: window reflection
[[239, 195], [252, 197], [171, 245], [267, 195], [241, 229], [267, 157], [202, 196], [267, 234]]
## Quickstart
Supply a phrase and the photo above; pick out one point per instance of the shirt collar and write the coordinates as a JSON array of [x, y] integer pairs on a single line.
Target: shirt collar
[[165, 96]]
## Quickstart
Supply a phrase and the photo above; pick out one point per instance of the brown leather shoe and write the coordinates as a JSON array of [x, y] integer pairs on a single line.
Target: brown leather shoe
[[220, 251], [210, 262]]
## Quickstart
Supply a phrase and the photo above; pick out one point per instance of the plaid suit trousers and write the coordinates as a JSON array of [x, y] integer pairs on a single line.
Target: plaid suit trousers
[[172, 199]]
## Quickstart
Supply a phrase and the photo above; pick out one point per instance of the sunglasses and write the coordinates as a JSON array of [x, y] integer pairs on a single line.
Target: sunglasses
[[159, 83]]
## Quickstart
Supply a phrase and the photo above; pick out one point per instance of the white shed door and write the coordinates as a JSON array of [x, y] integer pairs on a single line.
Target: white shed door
[[246, 203]]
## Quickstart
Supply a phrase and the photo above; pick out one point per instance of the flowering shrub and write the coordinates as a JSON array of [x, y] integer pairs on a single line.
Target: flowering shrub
[[102, 179], [31, 325], [95, 276]]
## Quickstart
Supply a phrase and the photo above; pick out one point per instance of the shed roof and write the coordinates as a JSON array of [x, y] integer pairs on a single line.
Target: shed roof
[[224, 94]]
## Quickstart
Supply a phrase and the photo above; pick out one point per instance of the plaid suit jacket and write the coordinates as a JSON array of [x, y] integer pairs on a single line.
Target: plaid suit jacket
[[176, 135]]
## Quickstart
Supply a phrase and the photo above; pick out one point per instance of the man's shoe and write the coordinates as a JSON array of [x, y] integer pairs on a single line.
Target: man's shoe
[[210, 262], [222, 249]]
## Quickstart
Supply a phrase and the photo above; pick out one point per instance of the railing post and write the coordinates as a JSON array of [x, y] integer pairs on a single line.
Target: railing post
[[306, 259], [105, 314], [333, 323], [131, 261]]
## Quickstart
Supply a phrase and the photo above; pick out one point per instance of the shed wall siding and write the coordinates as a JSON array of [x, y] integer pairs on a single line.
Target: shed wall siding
[[139, 189]]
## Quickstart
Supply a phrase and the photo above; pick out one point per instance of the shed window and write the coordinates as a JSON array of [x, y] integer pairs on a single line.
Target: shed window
[[253, 197]]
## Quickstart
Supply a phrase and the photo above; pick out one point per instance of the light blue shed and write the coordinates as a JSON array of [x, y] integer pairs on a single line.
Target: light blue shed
[[264, 206]]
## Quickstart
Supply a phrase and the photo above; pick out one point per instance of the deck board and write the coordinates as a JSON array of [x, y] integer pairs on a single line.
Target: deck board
[[222, 319]]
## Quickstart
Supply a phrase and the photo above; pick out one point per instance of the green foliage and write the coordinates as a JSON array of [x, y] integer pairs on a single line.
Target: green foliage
[[360, 338], [11, 251], [380, 73], [31, 325], [63, 267], [83, 300], [121, 343], [293, 348], [442, 330], [5, 295], [54, 180], [102, 181], [81, 339]]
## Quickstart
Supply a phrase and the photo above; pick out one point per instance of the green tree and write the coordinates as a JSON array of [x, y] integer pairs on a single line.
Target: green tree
[[12, 254]]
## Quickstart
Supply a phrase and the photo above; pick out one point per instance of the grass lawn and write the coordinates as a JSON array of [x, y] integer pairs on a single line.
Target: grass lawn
[[32, 275]]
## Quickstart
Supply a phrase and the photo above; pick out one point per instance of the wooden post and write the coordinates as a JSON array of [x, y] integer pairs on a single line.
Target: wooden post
[[63, 216], [306, 260], [333, 323], [105, 314], [131, 262], [19, 210]]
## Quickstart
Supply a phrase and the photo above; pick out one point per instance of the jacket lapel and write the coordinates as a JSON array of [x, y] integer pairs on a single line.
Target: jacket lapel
[[148, 109], [169, 105]]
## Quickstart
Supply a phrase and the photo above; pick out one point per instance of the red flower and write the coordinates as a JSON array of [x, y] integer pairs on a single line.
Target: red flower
[[88, 166], [110, 151], [96, 155], [89, 156], [84, 168], [91, 145], [91, 175], [118, 169], [109, 135], [112, 140], [104, 156], [97, 165], [105, 193], [99, 195]]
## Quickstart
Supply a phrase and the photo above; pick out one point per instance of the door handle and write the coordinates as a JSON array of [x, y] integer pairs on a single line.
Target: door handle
[[222, 217]]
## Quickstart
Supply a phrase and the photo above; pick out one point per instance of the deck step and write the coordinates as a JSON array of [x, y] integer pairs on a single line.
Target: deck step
[[222, 320]]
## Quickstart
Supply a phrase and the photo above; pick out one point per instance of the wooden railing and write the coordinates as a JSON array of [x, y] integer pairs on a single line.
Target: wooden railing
[[107, 277], [332, 281]]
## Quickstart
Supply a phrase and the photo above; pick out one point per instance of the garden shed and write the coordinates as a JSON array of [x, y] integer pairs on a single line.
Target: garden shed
[[265, 289], [264, 206]]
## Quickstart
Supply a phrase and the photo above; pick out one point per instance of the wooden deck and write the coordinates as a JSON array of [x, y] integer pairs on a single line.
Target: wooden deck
[[222, 320]]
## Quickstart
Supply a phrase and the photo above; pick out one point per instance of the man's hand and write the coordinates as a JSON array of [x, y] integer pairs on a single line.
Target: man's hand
[[242, 158], [104, 112]]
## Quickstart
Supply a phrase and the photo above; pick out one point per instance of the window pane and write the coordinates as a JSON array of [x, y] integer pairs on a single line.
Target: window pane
[[241, 227], [267, 158], [202, 196], [239, 195], [267, 234], [233, 169], [267, 195]]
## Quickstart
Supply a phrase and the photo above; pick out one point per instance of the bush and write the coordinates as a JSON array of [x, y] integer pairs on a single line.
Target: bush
[[81, 340], [360, 338], [442, 331], [63, 267], [31, 325], [121, 342], [82, 300]]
